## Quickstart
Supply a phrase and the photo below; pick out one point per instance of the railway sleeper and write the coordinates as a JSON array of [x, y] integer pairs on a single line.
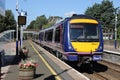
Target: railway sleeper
[[58, 54]]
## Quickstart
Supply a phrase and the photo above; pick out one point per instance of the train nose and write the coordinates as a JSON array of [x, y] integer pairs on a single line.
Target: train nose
[[85, 46]]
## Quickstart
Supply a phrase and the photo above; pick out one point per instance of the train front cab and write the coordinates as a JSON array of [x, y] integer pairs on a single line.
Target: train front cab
[[84, 42]]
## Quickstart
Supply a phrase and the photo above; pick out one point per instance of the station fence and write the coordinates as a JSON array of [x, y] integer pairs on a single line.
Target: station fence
[[7, 45]]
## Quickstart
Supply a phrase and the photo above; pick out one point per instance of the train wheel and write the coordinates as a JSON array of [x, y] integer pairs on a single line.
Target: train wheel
[[86, 67], [58, 54], [91, 68]]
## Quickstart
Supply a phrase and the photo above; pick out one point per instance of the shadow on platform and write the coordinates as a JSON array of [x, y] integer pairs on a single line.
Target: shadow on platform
[[51, 77], [7, 60], [38, 75]]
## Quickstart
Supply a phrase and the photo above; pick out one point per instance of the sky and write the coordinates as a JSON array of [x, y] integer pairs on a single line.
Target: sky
[[48, 8]]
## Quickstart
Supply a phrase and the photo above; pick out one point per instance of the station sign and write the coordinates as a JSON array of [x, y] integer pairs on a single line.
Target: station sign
[[21, 20]]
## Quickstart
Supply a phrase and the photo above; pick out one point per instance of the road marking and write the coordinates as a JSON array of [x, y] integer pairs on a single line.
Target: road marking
[[45, 62]]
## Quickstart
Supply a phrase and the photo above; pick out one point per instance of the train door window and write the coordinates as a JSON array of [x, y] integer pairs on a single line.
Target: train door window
[[41, 36], [57, 35], [49, 35], [45, 38]]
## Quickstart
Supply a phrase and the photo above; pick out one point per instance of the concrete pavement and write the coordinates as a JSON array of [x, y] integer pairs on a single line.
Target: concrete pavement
[[10, 55]]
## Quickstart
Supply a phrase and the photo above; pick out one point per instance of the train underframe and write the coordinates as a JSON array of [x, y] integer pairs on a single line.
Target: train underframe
[[79, 59]]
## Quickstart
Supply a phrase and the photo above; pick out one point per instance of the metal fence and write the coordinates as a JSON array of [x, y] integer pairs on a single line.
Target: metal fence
[[112, 43], [6, 37], [7, 45]]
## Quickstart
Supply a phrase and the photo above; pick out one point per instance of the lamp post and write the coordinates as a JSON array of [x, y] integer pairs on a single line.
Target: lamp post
[[17, 28], [116, 19], [19, 23]]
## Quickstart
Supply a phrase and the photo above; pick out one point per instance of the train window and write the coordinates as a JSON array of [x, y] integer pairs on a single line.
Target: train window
[[57, 35], [41, 36], [48, 35], [84, 32], [45, 38], [92, 31]]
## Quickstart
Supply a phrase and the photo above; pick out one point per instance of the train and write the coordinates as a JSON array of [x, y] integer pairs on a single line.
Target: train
[[78, 38]]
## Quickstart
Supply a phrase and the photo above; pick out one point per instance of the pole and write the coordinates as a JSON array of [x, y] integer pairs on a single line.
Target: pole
[[115, 31], [17, 28], [116, 27], [21, 36]]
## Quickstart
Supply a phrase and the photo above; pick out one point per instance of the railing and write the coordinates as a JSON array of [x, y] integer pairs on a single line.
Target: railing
[[6, 39]]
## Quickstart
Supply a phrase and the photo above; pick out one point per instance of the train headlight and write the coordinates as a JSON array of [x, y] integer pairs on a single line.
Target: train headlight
[[69, 47], [100, 48]]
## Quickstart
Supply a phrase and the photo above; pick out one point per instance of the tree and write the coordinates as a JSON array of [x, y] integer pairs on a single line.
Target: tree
[[7, 22], [40, 21], [107, 15], [51, 21], [2, 23], [94, 11], [10, 20], [104, 12], [31, 25]]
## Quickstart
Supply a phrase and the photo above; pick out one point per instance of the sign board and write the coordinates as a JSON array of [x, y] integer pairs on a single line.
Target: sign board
[[2, 7], [21, 20]]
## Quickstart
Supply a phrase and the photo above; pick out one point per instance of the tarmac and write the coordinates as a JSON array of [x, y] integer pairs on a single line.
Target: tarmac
[[8, 71], [8, 56]]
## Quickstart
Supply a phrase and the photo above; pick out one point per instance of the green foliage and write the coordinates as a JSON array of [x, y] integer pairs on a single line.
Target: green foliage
[[104, 12], [2, 23], [49, 24], [31, 25], [8, 22], [51, 21], [42, 22]]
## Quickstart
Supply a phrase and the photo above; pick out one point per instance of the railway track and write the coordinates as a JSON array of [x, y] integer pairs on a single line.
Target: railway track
[[111, 65], [102, 70], [95, 76], [110, 73]]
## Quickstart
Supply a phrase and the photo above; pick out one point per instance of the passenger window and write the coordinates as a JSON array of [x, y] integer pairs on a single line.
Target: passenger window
[[57, 35], [48, 35]]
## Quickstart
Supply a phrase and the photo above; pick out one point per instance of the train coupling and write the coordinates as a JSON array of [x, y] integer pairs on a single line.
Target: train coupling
[[84, 60]]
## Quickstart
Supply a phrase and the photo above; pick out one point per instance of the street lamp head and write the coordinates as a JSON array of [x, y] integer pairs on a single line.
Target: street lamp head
[[23, 13], [16, 5]]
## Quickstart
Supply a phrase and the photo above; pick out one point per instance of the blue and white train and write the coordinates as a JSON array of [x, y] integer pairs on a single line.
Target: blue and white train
[[77, 38]]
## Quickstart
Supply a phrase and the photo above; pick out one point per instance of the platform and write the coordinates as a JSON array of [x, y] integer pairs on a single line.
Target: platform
[[49, 67], [111, 48]]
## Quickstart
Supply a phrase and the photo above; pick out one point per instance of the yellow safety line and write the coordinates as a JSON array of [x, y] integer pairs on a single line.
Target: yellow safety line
[[49, 67]]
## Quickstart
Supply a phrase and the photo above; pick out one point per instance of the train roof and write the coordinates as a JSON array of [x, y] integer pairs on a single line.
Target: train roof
[[75, 16], [82, 16]]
